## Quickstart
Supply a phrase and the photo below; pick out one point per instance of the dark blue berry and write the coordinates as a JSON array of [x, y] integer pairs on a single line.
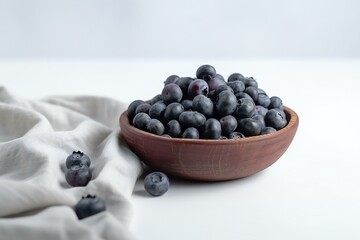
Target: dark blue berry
[[173, 111], [260, 110], [215, 82], [88, 206], [228, 124], [253, 92], [141, 120], [249, 127], [225, 103], [191, 119], [205, 72], [171, 93], [156, 127], [191, 132], [77, 158], [212, 129], [203, 105], [173, 128], [132, 108], [143, 107], [243, 95], [78, 175], [197, 87], [157, 110], [263, 100], [156, 99], [275, 118], [261, 120], [156, 183], [249, 82], [235, 77], [245, 108], [236, 86], [187, 104], [276, 102], [267, 130]]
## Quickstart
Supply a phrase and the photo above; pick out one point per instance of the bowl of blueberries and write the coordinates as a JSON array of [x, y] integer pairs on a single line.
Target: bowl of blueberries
[[209, 128]]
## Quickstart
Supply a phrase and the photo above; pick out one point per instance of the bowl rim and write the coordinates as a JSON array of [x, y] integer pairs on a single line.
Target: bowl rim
[[291, 115]]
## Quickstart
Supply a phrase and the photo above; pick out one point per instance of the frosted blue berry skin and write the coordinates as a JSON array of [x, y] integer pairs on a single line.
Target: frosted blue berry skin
[[171, 93], [191, 133], [228, 124], [156, 127], [77, 158], [225, 103], [212, 129], [275, 118], [173, 111], [132, 108], [197, 87], [191, 119], [78, 175], [249, 126], [156, 183], [173, 128], [141, 120], [88, 206], [205, 72], [203, 105]]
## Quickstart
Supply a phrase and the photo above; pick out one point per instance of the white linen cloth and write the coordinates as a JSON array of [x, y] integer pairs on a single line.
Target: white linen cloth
[[36, 136]]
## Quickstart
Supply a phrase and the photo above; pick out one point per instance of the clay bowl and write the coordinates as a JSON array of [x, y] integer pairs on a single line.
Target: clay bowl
[[209, 160]]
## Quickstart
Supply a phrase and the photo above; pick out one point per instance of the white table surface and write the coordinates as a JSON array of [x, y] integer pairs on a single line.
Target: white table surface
[[312, 192]]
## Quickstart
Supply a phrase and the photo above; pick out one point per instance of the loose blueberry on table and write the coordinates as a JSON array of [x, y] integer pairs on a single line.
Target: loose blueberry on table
[[88, 206], [156, 183], [207, 106]]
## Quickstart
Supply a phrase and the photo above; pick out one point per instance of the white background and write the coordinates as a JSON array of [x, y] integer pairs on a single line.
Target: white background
[[306, 52], [179, 29]]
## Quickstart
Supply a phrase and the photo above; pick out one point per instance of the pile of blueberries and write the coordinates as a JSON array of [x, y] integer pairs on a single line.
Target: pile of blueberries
[[209, 107]]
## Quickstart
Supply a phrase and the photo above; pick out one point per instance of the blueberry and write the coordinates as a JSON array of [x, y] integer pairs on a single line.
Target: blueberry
[[261, 120], [236, 135], [225, 103], [184, 83], [157, 110], [171, 79], [191, 119], [155, 126], [263, 100], [260, 110], [249, 126], [236, 86], [212, 129], [205, 72], [235, 77], [275, 118], [245, 108], [156, 183], [132, 108], [143, 107], [215, 82], [267, 130], [228, 124], [171, 93], [78, 175], [249, 82], [187, 104], [203, 105], [173, 128], [191, 132], [276, 102], [173, 111], [197, 87], [77, 158], [253, 92], [88, 206], [141, 120]]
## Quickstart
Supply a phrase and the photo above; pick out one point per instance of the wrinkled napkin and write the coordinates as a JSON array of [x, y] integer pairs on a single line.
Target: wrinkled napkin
[[36, 136]]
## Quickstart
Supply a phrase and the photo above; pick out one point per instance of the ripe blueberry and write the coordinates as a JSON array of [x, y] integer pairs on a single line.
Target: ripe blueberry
[[88, 206], [156, 183]]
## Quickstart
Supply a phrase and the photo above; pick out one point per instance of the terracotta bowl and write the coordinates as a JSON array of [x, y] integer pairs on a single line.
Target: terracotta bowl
[[209, 160]]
